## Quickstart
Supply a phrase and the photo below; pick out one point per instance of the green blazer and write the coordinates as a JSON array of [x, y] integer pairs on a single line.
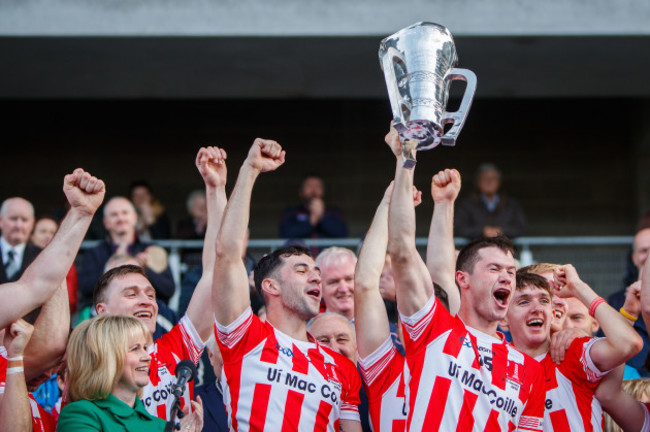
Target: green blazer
[[110, 414]]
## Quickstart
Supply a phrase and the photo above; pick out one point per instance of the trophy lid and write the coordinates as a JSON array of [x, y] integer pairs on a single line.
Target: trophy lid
[[419, 33]]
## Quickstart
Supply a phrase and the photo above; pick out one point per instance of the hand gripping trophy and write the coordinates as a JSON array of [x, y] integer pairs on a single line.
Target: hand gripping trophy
[[418, 63]]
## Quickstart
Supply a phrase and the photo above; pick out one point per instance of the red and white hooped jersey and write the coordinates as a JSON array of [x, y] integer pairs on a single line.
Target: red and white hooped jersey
[[272, 382], [42, 421], [180, 343], [383, 379], [460, 379], [571, 403]]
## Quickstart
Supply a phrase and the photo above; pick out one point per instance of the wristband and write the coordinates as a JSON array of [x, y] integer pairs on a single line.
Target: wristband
[[15, 370], [628, 315], [594, 305], [17, 358]]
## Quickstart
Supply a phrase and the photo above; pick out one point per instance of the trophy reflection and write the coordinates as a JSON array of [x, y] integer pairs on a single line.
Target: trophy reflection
[[419, 66]]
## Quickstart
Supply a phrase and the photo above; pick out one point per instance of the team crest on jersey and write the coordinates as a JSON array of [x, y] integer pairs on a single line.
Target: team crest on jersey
[[513, 376]]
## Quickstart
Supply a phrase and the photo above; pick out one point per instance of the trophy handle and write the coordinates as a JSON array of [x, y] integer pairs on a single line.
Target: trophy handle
[[457, 118], [397, 102]]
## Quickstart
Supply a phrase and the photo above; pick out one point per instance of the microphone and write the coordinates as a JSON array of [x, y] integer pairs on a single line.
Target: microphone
[[185, 372]]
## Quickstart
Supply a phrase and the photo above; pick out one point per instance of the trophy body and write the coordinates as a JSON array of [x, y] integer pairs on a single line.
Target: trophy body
[[419, 66]]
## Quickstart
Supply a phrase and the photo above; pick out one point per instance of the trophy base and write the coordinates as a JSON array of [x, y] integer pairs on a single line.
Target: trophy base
[[425, 132]]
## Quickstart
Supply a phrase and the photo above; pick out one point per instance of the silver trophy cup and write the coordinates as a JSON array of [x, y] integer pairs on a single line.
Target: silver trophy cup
[[418, 64]]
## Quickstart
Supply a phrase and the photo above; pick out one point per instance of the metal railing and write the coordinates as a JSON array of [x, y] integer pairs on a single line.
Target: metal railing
[[601, 261]]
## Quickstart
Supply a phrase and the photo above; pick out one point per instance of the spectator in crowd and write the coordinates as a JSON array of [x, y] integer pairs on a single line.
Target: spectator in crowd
[[41, 279], [19, 412], [312, 218], [120, 220], [16, 223], [571, 381], [640, 250], [489, 212], [335, 331], [337, 276], [215, 417], [441, 347], [126, 290], [153, 223], [290, 284], [108, 366], [193, 227], [44, 230]]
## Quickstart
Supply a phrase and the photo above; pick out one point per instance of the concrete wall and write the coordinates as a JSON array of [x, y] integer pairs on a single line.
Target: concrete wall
[[320, 17]]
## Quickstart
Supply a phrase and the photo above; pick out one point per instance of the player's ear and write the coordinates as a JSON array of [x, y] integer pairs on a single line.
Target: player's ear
[[271, 287], [594, 326], [462, 279]]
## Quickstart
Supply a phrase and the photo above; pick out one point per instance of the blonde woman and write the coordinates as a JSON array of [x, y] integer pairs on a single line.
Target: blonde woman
[[108, 365]]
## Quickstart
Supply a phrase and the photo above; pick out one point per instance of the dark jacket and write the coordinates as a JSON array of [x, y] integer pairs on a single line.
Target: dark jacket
[[215, 417], [294, 224], [30, 254], [472, 215], [94, 261]]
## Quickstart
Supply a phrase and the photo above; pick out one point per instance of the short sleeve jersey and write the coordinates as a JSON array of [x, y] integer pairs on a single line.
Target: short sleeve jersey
[[571, 403], [42, 421], [180, 343], [383, 379], [459, 379], [272, 382]]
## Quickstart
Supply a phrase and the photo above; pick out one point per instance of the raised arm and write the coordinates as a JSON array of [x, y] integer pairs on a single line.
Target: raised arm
[[413, 282], [15, 412], [441, 251], [50, 337], [230, 292], [85, 193], [211, 163], [621, 342], [626, 411], [371, 321]]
